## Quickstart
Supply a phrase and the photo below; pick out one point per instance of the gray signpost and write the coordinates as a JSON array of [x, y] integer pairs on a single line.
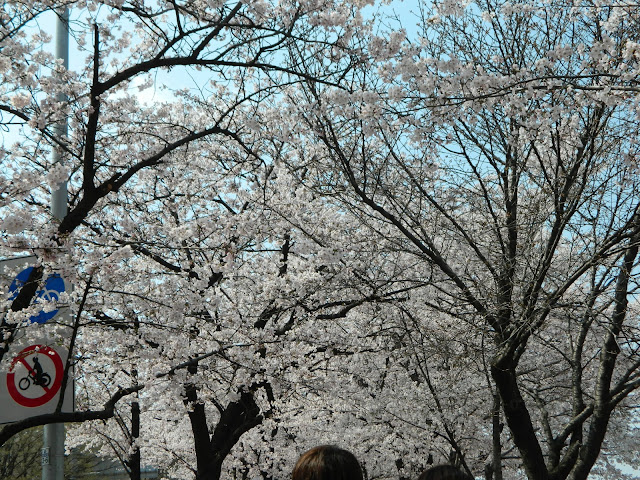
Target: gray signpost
[[53, 441]]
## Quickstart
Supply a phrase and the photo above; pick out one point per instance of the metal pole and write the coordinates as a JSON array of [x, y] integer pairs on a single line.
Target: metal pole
[[53, 452], [59, 196], [53, 438]]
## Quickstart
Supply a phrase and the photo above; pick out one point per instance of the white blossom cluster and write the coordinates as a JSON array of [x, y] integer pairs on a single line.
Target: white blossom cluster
[[14, 224], [57, 175]]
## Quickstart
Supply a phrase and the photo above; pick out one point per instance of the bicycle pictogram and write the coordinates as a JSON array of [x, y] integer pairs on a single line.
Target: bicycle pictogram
[[50, 292], [36, 376]]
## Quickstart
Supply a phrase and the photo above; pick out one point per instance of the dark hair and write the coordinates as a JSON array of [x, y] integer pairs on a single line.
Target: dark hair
[[444, 472], [327, 462]]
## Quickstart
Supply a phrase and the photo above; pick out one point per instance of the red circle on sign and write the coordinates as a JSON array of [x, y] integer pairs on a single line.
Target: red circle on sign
[[50, 392]]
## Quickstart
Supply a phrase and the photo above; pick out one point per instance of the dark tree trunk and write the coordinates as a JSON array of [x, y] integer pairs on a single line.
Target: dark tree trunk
[[590, 450], [236, 418], [519, 420], [134, 459]]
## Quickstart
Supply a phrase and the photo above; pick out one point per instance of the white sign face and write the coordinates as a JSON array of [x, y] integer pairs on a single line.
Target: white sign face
[[33, 384]]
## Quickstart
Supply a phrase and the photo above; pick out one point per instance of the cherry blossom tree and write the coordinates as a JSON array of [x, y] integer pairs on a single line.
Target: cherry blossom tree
[[496, 148], [190, 267]]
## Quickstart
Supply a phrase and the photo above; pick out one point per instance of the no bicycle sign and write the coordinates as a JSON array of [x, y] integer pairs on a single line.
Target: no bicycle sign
[[33, 384], [35, 376]]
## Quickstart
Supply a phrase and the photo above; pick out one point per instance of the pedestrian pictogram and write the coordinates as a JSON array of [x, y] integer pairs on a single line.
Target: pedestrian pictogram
[[35, 376]]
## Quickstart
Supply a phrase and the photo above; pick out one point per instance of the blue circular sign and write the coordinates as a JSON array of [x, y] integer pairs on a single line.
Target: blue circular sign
[[53, 287]]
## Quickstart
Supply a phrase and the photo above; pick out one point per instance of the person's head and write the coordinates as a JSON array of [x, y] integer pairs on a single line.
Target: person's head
[[327, 462], [444, 472]]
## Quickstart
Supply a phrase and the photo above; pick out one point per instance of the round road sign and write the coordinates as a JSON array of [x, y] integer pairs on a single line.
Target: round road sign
[[53, 287], [35, 376]]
